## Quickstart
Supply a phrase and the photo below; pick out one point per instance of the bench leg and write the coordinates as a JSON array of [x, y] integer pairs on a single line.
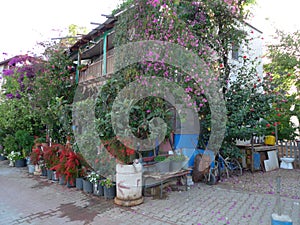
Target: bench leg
[[161, 189]]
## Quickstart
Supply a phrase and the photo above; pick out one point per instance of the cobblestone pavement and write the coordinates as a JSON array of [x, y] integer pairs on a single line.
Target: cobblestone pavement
[[28, 199], [265, 183]]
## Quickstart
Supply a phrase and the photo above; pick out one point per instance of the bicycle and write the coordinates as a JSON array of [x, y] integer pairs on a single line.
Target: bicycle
[[228, 166]]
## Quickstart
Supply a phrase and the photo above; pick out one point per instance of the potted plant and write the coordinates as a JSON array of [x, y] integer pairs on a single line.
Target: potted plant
[[24, 141], [13, 156], [82, 67], [51, 158], [36, 158], [2, 150], [60, 167], [94, 178], [75, 167], [18, 147], [162, 164], [2, 153], [109, 188], [176, 162], [87, 185]]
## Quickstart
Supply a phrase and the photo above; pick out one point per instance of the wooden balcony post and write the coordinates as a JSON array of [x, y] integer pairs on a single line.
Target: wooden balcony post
[[104, 72], [78, 64]]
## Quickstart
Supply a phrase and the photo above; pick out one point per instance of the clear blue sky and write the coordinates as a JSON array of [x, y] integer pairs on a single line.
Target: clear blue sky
[[24, 23]]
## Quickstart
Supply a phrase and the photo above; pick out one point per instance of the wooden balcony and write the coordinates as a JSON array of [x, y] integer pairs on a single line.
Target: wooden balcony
[[94, 71]]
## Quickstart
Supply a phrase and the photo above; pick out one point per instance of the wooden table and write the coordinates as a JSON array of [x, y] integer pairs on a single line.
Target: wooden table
[[256, 148], [162, 178]]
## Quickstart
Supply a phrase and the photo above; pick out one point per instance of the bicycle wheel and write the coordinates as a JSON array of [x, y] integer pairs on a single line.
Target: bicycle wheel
[[211, 180], [222, 170], [215, 171], [234, 167]]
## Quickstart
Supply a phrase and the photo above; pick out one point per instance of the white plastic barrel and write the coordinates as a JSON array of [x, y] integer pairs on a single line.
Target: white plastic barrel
[[129, 184]]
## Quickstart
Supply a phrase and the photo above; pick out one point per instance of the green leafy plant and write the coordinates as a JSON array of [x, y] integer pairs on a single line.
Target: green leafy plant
[[108, 183], [10, 144], [283, 73], [13, 156], [93, 177], [25, 141], [177, 158], [160, 158]]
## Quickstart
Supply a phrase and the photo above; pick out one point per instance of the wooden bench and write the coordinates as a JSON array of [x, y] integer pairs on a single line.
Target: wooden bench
[[160, 179]]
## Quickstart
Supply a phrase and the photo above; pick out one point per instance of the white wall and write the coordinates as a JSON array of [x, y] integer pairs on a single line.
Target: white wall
[[253, 51]]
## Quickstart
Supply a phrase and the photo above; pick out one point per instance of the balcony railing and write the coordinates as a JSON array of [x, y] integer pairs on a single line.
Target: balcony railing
[[94, 71]]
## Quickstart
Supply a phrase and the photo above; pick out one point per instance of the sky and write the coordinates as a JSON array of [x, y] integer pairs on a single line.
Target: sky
[[24, 23]]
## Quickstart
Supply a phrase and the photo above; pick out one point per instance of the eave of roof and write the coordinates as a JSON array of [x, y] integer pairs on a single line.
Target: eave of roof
[[98, 31], [6, 61]]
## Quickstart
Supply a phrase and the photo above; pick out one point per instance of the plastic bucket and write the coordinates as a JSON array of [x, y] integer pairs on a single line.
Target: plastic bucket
[[270, 140]]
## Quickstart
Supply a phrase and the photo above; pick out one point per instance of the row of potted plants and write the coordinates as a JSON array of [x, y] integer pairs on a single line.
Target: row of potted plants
[[98, 185], [68, 167], [58, 163]]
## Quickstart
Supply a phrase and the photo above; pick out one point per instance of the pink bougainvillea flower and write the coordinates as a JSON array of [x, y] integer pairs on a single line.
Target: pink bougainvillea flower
[[154, 3]]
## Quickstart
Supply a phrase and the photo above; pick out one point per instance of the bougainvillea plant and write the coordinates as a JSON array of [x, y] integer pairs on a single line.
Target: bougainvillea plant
[[209, 29], [20, 75]]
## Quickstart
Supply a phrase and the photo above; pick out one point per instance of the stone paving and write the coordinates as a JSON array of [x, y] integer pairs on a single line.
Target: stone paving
[[28, 199]]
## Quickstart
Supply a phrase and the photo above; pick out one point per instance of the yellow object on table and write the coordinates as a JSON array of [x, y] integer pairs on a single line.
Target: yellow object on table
[[270, 140]]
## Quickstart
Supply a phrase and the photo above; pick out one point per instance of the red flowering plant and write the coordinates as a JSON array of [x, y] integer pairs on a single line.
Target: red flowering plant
[[60, 167], [75, 166], [51, 155], [67, 163], [36, 156]]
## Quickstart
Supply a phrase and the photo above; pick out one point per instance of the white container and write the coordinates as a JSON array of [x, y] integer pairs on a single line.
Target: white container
[[30, 168], [129, 184], [286, 163]]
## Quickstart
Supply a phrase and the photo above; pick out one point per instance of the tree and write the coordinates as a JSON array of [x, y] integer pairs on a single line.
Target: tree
[[54, 89], [284, 72]]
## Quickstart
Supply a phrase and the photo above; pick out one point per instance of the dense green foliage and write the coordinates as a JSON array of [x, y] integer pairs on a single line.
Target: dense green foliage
[[284, 72]]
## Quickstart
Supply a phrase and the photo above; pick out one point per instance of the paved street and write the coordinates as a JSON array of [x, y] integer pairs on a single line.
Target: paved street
[[28, 199]]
